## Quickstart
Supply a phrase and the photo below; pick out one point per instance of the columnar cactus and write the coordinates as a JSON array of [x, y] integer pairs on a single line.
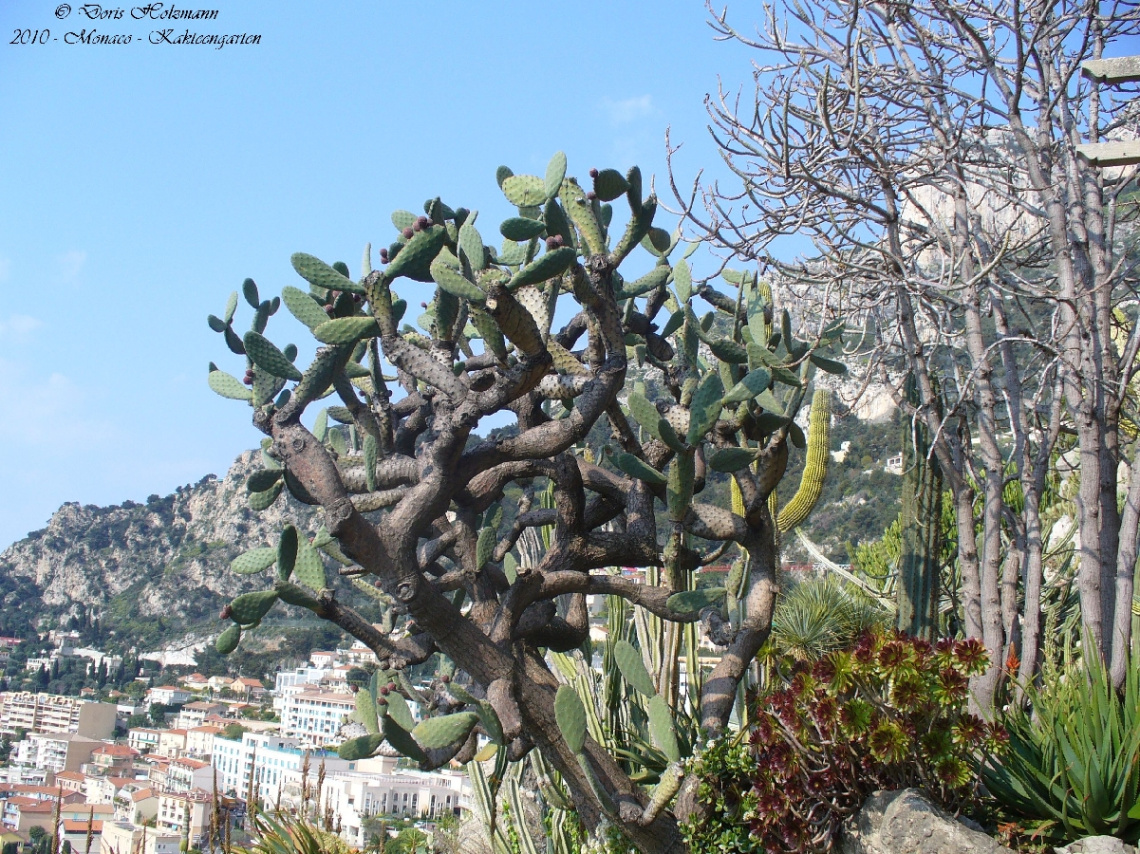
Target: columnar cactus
[[413, 498], [920, 525]]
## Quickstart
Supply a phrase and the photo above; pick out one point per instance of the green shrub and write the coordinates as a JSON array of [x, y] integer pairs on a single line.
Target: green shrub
[[887, 713], [1072, 764]]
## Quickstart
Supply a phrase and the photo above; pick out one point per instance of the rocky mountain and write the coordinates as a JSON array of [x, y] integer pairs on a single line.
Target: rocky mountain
[[150, 573]]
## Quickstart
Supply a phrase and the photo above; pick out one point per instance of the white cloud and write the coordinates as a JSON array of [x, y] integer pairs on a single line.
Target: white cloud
[[70, 264], [18, 328], [45, 412], [629, 110]]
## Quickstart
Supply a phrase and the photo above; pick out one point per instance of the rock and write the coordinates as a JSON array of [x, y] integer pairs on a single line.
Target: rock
[[1097, 845], [905, 821]]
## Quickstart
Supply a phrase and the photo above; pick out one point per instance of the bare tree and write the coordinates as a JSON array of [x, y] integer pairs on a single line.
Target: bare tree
[[929, 151]]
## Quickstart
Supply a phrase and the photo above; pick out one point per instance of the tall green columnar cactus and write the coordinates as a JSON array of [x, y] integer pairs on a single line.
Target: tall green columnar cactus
[[921, 529]]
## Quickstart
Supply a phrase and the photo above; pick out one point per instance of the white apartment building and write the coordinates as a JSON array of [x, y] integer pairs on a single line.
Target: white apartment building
[[289, 682], [315, 717], [143, 740], [51, 713], [175, 809], [122, 838], [185, 775], [267, 757], [352, 796], [54, 752]]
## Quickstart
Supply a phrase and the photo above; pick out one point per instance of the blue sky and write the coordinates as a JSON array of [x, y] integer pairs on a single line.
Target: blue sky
[[141, 183]]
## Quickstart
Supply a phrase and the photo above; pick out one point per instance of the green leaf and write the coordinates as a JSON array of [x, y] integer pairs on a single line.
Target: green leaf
[[555, 174], [399, 712], [249, 608], [316, 272], [485, 546], [308, 568], [632, 667], [228, 640], [366, 712], [262, 500], [732, 459], [610, 184], [266, 356], [639, 469], [414, 260], [231, 307], [754, 382], [683, 280], [346, 330], [521, 228], [650, 281], [471, 245], [228, 385], [547, 266], [401, 739], [829, 365], [262, 480], [254, 560], [662, 729], [524, 190], [571, 717], [371, 451], [360, 748], [303, 307], [695, 600], [439, 732], [705, 408], [287, 552], [455, 283]]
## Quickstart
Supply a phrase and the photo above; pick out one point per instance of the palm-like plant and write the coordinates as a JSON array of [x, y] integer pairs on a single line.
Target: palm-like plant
[[818, 616]]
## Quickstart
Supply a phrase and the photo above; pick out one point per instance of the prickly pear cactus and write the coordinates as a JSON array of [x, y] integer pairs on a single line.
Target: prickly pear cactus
[[482, 551]]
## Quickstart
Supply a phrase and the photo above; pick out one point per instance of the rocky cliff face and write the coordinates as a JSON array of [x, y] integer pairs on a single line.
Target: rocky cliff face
[[164, 564]]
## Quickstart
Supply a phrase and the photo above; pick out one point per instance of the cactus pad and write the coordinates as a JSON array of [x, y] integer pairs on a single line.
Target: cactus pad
[[346, 330], [262, 500], [401, 739], [228, 640], [249, 608], [316, 272], [254, 560], [632, 667], [521, 228], [695, 600], [571, 717], [639, 469], [266, 356], [439, 732], [524, 190], [662, 729], [360, 748], [228, 385], [549, 265], [294, 594], [555, 174]]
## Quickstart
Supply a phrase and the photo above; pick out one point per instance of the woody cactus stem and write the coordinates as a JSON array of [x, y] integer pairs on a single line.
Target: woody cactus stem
[[921, 531], [815, 467]]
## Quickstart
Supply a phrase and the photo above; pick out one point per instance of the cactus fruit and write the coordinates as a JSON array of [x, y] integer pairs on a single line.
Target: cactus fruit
[[815, 467]]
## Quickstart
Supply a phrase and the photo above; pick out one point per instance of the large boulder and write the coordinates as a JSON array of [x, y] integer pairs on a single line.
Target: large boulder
[[1097, 845], [905, 822]]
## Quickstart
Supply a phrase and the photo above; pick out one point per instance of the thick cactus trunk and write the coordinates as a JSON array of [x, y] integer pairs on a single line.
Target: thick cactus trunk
[[921, 529]]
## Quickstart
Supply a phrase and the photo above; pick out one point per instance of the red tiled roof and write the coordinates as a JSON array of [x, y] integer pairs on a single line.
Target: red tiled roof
[[80, 826]]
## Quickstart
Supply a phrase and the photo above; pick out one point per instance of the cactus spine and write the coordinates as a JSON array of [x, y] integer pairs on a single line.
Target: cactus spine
[[815, 467], [921, 530]]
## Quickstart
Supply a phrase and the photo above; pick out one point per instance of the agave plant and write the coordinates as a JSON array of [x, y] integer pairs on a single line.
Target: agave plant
[[273, 836], [1072, 764]]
